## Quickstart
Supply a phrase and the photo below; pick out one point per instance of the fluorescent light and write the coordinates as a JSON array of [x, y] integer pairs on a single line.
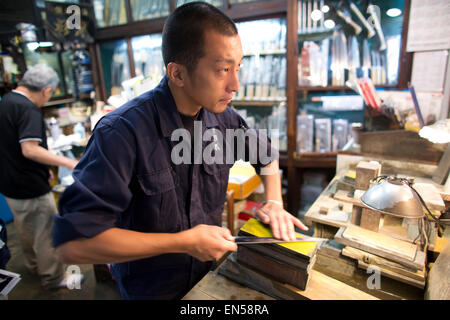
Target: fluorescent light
[[394, 12], [325, 9], [32, 46], [329, 24], [316, 15], [45, 44]]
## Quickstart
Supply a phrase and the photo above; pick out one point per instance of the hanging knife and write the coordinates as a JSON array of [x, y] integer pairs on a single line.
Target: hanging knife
[[370, 30], [255, 240], [374, 12], [347, 18]]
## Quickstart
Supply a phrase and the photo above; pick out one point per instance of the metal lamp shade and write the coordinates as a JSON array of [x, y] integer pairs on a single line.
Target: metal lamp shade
[[395, 198]]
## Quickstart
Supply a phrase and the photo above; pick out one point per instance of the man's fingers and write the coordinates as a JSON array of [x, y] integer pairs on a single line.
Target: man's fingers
[[299, 224], [291, 229], [261, 215]]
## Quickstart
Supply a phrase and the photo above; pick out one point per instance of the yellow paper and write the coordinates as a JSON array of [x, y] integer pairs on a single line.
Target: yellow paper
[[258, 229]]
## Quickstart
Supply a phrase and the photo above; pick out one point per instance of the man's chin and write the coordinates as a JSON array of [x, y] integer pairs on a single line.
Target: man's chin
[[218, 108]]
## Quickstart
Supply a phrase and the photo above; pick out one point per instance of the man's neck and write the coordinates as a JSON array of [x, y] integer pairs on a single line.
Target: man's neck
[[183, 102], [27, 93]]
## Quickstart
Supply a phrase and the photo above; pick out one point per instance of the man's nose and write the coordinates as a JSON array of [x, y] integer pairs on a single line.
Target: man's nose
[[233, 84]]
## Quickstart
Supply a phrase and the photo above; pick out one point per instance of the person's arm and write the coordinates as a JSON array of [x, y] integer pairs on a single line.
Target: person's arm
[[281, 222], [119, 245], [33, 151]]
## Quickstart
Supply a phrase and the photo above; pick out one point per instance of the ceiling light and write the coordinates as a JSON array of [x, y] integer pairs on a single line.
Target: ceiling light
[[316, 15], [329, 24], [325, 9], [32, 46], [394, 12], [46, 44]]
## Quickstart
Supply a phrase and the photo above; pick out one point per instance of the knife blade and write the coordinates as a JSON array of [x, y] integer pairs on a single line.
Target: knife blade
[[255, 240]]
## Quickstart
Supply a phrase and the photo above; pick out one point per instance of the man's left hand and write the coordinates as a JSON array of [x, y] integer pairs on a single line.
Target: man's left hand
[[281, 221]]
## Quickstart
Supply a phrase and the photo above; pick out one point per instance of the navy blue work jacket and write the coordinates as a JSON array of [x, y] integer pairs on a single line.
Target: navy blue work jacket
[[126, 179]]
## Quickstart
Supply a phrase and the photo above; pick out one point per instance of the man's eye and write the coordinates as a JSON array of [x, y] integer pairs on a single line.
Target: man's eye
[[225, 69]]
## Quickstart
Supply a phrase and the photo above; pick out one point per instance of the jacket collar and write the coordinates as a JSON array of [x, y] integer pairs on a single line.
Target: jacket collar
[[169, 118]]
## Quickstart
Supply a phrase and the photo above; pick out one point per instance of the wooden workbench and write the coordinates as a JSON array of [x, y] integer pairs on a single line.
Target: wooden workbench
[[334, 276]]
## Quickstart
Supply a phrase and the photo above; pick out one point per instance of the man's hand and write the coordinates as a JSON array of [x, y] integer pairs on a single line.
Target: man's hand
[[71, 164], [281, 221], [207, 243]]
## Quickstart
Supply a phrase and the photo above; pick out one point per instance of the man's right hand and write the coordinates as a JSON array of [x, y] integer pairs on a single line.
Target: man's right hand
[[71, 164], [207, 243]]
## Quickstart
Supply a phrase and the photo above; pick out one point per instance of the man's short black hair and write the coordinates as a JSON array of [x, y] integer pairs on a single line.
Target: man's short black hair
[[183, 33]]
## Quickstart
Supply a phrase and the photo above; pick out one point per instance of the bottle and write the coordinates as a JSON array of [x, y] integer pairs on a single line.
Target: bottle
[[79, 130], [54, 128]]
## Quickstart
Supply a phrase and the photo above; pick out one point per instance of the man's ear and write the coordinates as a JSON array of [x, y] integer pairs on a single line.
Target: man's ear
[[177, 73], [48, 92]]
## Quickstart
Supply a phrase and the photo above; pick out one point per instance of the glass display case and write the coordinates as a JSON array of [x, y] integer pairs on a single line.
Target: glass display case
[[343, 42], [263, 73], [144, 9], [147, 55], [262, 77], [115, 65], [66, 58], [52, 59], [109, 12]]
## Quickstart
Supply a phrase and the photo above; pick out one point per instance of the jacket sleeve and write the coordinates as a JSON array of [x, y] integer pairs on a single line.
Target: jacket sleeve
[[93, 203]]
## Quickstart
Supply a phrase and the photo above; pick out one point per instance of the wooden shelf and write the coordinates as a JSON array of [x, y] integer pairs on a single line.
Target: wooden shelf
[[57, 102], [329, 88], [315, 159], [256, 103], [266, 52], [337, 88]]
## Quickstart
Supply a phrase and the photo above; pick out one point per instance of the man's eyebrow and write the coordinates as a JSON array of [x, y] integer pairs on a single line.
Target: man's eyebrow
[[227, 60]]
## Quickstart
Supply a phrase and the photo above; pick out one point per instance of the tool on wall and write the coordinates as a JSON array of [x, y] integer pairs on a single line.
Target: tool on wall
[[375, 14], [366, 24], [348, 19]]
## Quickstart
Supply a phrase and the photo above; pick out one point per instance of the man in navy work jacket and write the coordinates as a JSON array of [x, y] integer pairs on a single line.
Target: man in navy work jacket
[[157, 221]]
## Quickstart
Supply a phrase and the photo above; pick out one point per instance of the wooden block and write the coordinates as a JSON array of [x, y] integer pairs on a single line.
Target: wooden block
[[430, 195], [371, 259], [393, 275], [343, 195], [443, 168], [401, 145], [323, 210], [366, 171], [370, 219], [356, 215], [438, 281], [384, 246]]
